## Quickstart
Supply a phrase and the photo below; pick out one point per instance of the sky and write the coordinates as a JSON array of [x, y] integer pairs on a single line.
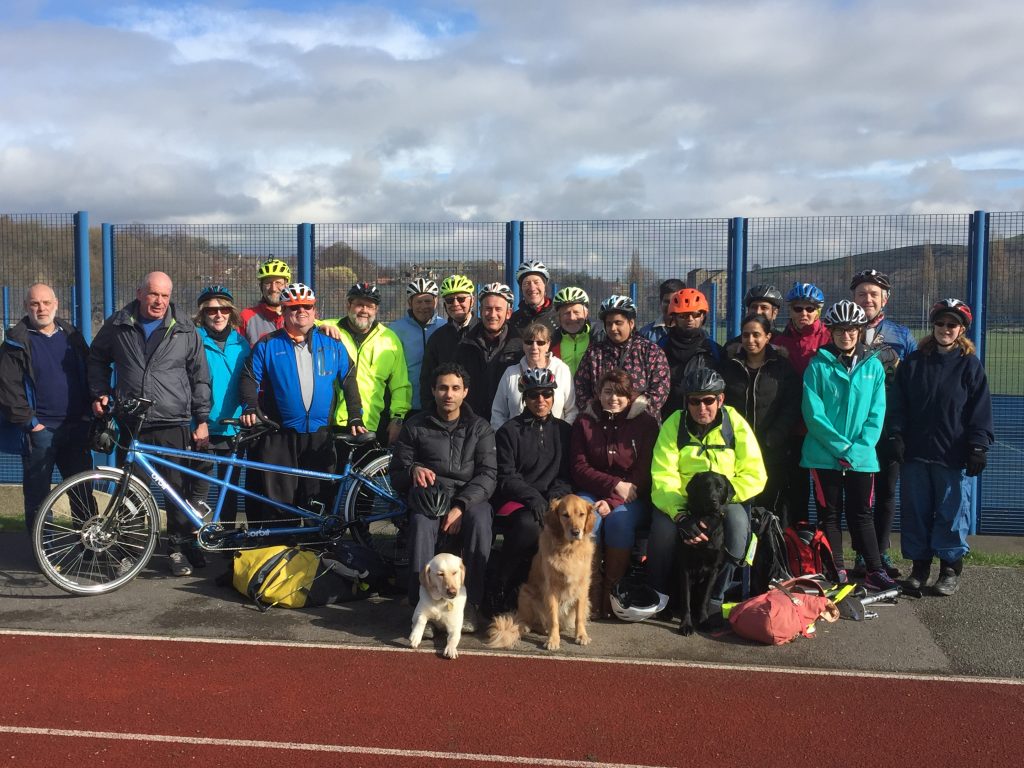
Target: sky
[[490, 110]]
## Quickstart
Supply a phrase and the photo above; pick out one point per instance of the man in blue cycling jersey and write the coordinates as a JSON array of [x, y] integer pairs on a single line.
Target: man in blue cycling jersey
[[290, 377]]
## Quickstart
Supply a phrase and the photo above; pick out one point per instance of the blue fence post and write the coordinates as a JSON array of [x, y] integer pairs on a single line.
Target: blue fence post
[[83, 285], [513, 255], [304, 252], [633, 293], [713, 301], [7, 307], [736, 276], [108, 269], [977, 284]]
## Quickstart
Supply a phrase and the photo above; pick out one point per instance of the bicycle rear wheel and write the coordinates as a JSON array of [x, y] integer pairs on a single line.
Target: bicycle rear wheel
[[385, 536], [87, 545]]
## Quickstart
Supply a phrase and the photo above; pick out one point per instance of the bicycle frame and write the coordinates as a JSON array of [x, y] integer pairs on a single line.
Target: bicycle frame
[[149, 457]]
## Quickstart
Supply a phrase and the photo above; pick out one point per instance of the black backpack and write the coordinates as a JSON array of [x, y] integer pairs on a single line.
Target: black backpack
[[771, 560]]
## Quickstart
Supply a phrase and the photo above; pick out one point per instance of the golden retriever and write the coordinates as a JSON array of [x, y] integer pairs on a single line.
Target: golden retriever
[[559, 580], [442, 601]]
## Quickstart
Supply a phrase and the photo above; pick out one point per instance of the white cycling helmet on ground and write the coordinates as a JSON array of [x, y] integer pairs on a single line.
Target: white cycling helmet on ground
[[634, 600]]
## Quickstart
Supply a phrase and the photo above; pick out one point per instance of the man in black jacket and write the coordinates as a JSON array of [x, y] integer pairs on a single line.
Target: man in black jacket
[[490, 347], [449, 447], [156, 353], [457, 295], [43, 393], [533, 469]]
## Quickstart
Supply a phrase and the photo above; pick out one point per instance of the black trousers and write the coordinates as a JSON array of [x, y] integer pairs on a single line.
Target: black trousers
[[850, 493], [885, 499], [520, 531], [308, 450], [794, 488], [220, 445], [179, 527]]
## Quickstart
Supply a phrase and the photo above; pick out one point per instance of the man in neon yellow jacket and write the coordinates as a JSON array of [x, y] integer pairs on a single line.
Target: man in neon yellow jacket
[[380, 362], [706, 436]]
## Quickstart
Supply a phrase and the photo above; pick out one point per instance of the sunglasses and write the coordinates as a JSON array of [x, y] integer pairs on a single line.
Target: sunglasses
[[687, 315], [535, 342], [695, 401], [535, 394], [211, 311], [846, 331], [950, 326], [297, 307], [456, 299], [804, 310]]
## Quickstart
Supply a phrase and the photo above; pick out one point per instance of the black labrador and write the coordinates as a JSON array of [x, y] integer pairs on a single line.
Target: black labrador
[[707, 493]]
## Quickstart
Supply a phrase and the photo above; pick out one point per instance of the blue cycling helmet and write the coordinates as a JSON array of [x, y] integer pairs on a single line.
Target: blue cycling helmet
[[805, 292]]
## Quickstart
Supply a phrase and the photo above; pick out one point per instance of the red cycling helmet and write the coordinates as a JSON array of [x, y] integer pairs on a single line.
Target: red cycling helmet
[[952, 307]]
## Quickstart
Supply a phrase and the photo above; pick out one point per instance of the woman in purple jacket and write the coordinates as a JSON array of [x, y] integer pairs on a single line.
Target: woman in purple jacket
[[610, 463]]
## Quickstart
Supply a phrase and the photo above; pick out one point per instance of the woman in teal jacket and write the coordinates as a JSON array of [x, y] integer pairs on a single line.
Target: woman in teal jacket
[[844, 409], [226, 349]]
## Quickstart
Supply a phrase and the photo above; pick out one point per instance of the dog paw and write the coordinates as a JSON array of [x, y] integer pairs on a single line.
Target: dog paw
[[553, 643], [583, 639], [451, 652], [414, 642], [686, 628]]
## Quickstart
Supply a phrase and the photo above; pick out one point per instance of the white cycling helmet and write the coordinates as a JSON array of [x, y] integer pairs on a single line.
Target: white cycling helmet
[[634, 600], [846, 314], [497, 289], [534, 267], [297, 293], [421, 285]]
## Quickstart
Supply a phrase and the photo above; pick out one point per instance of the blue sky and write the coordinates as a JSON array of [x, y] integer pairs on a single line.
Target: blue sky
[[490, 110]]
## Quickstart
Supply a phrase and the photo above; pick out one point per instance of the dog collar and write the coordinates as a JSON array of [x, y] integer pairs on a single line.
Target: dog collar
[[449, 605]]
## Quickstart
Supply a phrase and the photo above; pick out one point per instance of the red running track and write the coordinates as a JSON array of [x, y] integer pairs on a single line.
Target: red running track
[[318, 706]]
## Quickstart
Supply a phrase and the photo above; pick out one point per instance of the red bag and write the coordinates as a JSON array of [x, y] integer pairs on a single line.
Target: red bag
[[783, 613], [809, 551]]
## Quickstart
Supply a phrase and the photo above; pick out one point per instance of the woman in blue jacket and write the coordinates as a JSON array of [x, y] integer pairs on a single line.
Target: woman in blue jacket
[[941, 430], [844, 409], [217, 322]]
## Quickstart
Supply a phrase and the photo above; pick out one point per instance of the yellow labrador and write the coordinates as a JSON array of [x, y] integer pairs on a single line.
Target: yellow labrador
[[442, 601]]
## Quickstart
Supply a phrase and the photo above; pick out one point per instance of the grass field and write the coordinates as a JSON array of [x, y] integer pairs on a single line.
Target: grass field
[[1004, 361]]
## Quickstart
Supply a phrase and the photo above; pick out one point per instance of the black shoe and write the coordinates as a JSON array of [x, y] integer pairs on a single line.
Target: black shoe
[[949, 580], [196, 556], [919, 575]]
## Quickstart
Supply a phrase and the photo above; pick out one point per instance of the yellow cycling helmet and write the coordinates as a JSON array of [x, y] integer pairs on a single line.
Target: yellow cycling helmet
[[274, 268]]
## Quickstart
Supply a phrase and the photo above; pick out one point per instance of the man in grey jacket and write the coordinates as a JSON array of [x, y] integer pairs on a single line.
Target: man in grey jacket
[[155, 353]]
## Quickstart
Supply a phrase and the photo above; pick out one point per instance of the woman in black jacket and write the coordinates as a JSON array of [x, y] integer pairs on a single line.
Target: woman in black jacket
[[762, 385], [533, 469]]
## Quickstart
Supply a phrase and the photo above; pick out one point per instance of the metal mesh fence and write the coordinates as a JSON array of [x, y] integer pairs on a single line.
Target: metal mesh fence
[[198, 255], [1002, 503], [391, 254], [925, 256], [606, 257]]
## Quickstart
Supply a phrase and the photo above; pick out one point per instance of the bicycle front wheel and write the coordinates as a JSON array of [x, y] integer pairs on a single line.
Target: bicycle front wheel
[[386, 536], [85, 541]]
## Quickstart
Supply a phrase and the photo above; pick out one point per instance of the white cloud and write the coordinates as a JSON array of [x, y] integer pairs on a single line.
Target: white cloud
[[535, 111]]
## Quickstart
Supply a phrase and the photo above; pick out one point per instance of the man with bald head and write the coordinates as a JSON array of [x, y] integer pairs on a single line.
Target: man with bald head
[[155, 353], [43, 392]]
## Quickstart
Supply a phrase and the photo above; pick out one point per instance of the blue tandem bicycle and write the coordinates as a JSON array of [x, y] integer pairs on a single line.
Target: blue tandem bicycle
[[97, 530]]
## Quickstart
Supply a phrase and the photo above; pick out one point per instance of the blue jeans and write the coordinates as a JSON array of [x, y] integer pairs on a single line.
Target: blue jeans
[[661, 545], [935, 511], [66, 447], [619, 527]]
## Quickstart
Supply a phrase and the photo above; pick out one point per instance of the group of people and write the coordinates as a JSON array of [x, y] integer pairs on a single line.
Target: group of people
[[497, 410]]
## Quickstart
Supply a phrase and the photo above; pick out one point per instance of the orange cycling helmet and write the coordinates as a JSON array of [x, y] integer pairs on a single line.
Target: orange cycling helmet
[[688, 300]]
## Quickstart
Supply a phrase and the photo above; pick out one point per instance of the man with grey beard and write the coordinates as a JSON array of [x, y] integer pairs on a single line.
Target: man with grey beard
[[380, 363], [43, 392]]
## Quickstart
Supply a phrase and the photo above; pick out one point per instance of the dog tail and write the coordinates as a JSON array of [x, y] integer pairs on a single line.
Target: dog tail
[[504, 631]]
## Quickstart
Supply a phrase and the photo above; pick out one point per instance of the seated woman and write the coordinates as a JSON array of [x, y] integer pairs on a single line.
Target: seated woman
[[612, 442], [706, 436], [762, 385], [508, 400], [533, 469]]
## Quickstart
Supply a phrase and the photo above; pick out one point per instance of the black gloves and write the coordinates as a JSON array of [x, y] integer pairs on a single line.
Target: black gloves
[[977, 458], [688, 527], [539, 511], [897, 448]]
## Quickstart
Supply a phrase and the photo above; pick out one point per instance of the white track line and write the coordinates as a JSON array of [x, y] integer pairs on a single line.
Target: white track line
[[714, 666], [470, 757]]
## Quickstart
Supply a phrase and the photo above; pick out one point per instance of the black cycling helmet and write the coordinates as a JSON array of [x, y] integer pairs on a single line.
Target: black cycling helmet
[[616, 303], [215, 292], [432, 502], [872, 276], [364, 291], [763, 292], [704, 380], [102, 434], [537, 378]]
